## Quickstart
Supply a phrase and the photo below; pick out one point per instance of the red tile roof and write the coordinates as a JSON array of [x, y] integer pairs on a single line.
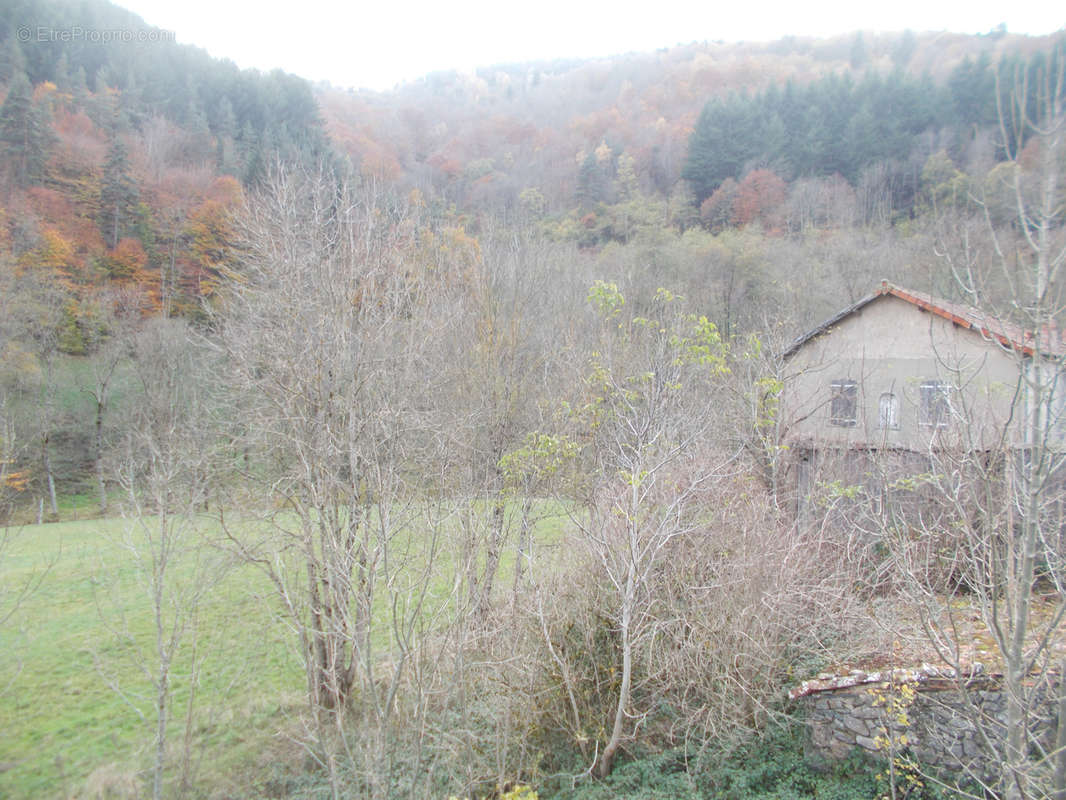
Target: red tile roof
[[991, 327]]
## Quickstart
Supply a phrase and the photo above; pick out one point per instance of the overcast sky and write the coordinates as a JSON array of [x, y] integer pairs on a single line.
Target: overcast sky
[[380, 43]]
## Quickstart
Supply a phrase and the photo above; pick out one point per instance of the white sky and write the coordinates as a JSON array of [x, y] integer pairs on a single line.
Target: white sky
[[379, 43]]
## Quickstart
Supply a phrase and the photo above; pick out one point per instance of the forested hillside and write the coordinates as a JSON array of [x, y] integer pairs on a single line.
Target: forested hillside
[[481, 139], [740, 173], [442, 422], [122, 158]]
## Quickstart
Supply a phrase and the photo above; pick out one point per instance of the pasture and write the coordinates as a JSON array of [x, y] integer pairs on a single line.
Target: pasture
[[72, 688], [76, 699]]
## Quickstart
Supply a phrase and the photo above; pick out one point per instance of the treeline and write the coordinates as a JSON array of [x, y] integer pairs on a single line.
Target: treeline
[[123, 154], [150, 74], [833, 126], [842, 126], [518, 137]]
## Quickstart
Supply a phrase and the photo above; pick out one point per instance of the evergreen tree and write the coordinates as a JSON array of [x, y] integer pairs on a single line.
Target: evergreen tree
[[130, 101], [250, 150], [972, 86], [25, 133], [225, 133], [727, 136], [79, 85], [12, 60], [832, 126], [118, 192], [62, 74], [103, 80], [592, 182]]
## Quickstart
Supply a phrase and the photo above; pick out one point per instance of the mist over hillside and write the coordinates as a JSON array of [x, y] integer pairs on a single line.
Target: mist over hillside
[[433, 442]]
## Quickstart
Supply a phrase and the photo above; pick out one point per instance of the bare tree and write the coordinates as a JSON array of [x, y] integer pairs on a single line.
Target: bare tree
[[29, 342], [505, 364], [332, 329], [651, 407], [165, 466], [998, 532], [108, 340], [681, 585]]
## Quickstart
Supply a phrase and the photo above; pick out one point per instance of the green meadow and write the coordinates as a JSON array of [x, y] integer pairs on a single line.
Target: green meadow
[[76, 705], [74, 698]]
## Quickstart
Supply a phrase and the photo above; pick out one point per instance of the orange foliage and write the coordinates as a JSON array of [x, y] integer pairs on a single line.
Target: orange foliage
[[45, 89], [595, 126], [517, 132], [379, 162], [717, 210], [178, 188], [17, 481], [72, 221], [446, 164], [211, 233], [127, 260], [452, 256], [346, 123], [81, 145], [225, 191], [77, 123], [460, 246], [53, 207], [758, 194], [55, 254]]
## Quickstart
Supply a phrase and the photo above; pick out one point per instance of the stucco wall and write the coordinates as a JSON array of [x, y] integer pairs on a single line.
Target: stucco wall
[[892, 346]]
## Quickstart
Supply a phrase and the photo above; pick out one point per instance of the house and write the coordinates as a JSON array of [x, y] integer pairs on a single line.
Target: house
[[879, 389]]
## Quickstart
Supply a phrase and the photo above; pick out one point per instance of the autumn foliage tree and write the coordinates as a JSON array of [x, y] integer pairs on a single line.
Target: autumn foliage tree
[[759, 194], [211, 235], [716, 211]]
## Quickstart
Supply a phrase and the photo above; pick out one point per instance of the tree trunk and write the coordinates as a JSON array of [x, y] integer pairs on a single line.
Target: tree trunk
[[50, 478], [99, 458], [1058, 786], [492, 556], [164, 652], [162, 694], [611, 748]]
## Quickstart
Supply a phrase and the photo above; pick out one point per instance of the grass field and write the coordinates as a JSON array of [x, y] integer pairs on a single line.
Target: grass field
[[59, 719], [74, 639]]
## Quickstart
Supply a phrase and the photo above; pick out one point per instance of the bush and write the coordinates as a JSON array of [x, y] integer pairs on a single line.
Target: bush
[[771, 767]]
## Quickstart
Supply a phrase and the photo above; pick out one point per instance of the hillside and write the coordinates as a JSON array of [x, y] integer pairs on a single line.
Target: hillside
[[122, 158], [434, 442], [479, 140], [125, 161]]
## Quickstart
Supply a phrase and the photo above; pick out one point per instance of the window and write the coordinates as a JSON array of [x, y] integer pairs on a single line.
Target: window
[[934, 408], [844, 396], [888, 412]]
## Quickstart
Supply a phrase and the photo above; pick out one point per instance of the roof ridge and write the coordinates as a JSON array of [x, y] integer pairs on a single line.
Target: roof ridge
[[990, 326]]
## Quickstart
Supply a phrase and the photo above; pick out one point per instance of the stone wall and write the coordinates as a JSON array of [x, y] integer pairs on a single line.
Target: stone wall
[[923, 711]]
